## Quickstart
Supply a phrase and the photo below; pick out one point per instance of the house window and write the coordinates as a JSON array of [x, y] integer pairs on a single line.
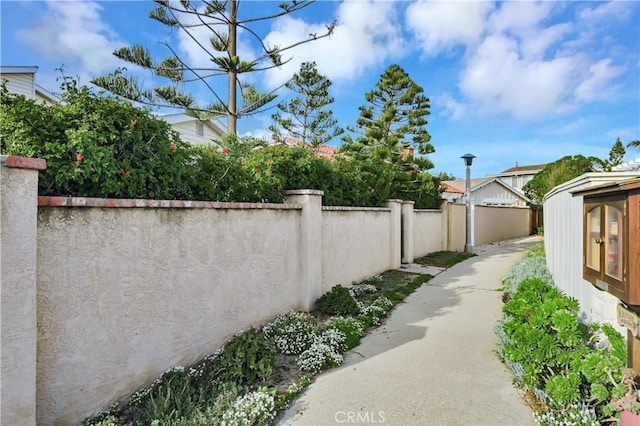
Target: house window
[[605, 227], [199, 128]]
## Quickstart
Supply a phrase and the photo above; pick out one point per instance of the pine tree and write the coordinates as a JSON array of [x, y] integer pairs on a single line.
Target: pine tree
[[393, 128], [305, 117], [221, 19]]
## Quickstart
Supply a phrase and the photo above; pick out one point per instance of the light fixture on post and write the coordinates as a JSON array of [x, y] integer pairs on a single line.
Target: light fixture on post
[[468, 159]]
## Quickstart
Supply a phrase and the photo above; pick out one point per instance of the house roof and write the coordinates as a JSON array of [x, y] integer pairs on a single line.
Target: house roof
[[461, 184], [44, 93], [629, 166], [10, 69], [623, 185], [450, 188], [518, 168], [321, 150]]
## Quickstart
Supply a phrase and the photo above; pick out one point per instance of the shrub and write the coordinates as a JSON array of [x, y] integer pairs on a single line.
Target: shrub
[[338, 301], [293, 332], [96, 146], [349, 327], [253, 408], [573, 369], [324, 352], [377, 310], [249, 356]]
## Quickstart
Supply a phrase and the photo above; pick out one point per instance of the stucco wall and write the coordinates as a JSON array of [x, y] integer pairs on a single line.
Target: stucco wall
[[18, 333], [493, 224], [124, 294], [429, 232], [456, 238], [355, 245], [125, 289]]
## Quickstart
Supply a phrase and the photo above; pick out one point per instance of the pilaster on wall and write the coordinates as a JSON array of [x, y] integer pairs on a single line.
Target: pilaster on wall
[[407, 231], [18, 328], [310, 244], [395, 229]]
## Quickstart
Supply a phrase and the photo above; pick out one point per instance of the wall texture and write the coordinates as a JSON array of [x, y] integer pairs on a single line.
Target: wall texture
[[18, 333], [500, 223], [429, 232], [117, 285], [129, 288]]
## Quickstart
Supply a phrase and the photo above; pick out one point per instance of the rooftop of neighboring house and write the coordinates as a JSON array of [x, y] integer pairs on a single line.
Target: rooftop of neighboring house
[[629, 166], [533, 169], [324, 151]]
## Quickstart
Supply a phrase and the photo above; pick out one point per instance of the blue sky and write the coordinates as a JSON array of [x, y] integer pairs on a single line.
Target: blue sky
[[525, 82]]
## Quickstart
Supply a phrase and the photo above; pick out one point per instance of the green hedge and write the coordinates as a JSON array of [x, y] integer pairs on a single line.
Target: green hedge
[[98, 146]]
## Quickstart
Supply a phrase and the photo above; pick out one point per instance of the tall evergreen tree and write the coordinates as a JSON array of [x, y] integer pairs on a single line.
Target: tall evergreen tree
[[221, 19], [392, 127], [305, 117]]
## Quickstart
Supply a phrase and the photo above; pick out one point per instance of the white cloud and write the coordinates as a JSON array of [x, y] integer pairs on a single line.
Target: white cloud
[[606, 12], [367, 34], [441, 25], [75, 34], [599, 77], [449, 106], [501, 80]]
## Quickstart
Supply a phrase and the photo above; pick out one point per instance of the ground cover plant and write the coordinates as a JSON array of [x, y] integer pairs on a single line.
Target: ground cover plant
[[443, 258], [570, 372], [259, 372]]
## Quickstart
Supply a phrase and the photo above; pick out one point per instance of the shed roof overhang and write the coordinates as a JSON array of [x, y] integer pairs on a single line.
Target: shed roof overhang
[[609, 188]]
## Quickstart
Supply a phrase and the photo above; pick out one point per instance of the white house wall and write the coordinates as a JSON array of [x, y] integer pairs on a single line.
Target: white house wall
[[188, 133], [495, 191], [21, 84]]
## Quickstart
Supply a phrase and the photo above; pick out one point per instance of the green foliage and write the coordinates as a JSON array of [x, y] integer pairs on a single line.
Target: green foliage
[[338, 301], [350, 327], [558, 172], [96, 146], [248, 357], [305, 116], [393, 130], [224, 20], [569, 366]]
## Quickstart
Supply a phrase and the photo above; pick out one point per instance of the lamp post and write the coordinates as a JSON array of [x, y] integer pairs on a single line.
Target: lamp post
[[468, 159]]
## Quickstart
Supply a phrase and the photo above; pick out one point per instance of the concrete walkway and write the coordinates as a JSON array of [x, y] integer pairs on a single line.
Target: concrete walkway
[[433, 362]]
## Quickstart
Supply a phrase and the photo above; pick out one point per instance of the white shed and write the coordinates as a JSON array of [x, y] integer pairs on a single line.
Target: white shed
[[563, 238]]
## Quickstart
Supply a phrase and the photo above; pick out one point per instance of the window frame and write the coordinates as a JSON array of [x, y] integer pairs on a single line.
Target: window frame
[[199, 128], [600, 278]]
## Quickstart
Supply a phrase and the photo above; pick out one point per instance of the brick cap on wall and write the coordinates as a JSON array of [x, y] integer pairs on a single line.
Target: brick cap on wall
[[304, 192], [142, 203], [23, 162]]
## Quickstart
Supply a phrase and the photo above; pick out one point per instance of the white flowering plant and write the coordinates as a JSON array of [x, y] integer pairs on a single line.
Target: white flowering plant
[[253, 408], [324, 352], [293, 332], [350, 327]]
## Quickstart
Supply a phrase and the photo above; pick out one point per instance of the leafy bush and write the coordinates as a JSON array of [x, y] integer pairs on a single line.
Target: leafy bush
[[249, 356], [377, 310], [338, 301], [96, 146], [349, 327], [293, 332], [574, 370], [533, 264]]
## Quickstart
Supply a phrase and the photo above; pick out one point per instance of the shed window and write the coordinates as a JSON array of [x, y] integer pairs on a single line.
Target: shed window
[[604, 243], [199, 128]]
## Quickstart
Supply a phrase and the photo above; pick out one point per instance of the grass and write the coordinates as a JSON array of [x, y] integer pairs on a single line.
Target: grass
[[180, 398], [444, 259]]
